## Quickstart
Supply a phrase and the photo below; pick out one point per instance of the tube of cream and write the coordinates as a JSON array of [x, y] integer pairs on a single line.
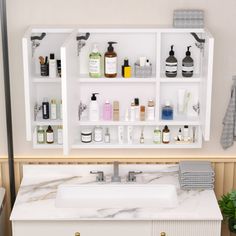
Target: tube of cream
[[181, 98]]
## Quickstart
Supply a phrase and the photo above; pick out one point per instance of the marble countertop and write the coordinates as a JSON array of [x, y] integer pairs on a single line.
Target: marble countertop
[[37, 194]]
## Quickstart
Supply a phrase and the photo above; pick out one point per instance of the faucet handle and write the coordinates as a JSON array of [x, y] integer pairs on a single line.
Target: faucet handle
[[132, 175], [100, 175]]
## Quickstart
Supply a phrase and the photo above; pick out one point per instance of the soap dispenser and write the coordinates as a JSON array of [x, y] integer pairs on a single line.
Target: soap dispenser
[[94, 108], [171, 64], [110, 61], [95, 63], [187, 64]]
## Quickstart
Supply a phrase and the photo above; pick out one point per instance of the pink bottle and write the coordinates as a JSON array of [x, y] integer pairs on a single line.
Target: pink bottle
[[107, 111]]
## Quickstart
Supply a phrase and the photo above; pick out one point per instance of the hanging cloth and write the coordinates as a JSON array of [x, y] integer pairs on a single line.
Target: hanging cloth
[[228, 135]]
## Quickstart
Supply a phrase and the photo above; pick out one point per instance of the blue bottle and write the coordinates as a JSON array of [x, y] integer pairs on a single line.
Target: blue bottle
[[167, 112]]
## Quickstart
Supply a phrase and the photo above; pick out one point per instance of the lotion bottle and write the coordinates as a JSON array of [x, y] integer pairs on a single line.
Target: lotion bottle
[[171, 64], [49, 135], [53, 109], [187, 64], [52, 66], [110, 61], [94, 108]]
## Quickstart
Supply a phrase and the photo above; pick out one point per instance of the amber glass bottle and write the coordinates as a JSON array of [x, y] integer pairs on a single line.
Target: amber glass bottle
[[110, 62]]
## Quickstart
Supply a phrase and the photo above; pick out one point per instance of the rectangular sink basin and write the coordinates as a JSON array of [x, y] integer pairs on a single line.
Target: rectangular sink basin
[[116, 196]]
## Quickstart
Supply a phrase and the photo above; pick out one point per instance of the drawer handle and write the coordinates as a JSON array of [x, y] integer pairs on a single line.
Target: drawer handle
[[77, 234]]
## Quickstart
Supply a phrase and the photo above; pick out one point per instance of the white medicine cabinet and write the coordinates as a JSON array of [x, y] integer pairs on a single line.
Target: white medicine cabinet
[[74, 88]]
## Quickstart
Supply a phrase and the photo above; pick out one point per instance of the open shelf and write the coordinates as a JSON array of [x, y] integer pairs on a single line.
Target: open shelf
[[180, 80], [181, 121], [47, 146], [115, 123], [135, 144], [87, 79], [44, 122], [40, 79]]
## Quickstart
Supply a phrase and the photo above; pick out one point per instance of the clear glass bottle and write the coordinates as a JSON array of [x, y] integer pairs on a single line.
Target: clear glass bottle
[[40, 135], [107, 136], [157, 135], [167, 111]]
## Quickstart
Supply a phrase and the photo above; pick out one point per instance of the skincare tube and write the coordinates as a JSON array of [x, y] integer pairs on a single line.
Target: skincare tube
[[130, 134], [120, 134], [181, 98]]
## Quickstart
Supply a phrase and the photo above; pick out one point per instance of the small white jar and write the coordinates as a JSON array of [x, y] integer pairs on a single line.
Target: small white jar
[[98, 134]]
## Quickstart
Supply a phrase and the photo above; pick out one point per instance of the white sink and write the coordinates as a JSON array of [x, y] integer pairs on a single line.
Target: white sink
[[116, 196]]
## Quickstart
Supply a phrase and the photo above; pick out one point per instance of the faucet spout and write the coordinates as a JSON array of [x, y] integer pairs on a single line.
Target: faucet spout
[[116, 177]]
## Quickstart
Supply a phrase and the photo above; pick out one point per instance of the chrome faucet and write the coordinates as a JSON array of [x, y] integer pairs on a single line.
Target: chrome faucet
[[132, 175], [100, 175], [116, 177]]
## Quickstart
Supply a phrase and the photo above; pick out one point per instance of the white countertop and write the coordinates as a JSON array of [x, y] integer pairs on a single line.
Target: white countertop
[[37, 193]]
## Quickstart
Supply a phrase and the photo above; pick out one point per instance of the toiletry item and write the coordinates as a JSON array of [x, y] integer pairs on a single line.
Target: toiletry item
[[151, 110], [107, 136], [142, 61], [132, 112], [95, 63], [137, 109], [187, 64], [166, 135], [45, 108], [141, 140], [58, 68], [49, 135], [107, 111], [116, 111], [167, 111], [171, 64], [86, 136], [142, 113], [60, 135], [98, 134], [40, 135], [126, 69], [110, 61], [52, 66], [130, 134], [157, 135], [181, 101], [94, 108], [148, 63], [194, 134], [179, 135], [186, 133], [44, 69], [121, 134], [127, 114], [61, 111], [53, 110]]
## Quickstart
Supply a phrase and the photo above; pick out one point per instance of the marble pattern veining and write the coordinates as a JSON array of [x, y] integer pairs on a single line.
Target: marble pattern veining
[[37, 194]]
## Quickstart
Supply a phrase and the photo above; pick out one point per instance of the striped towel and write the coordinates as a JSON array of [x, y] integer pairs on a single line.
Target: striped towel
[[228, 135]]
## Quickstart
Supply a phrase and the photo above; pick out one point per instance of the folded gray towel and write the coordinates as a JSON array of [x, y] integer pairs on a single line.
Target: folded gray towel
[[196, 168]]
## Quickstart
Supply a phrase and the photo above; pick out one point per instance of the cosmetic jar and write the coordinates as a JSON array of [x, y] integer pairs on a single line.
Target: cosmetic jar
[[86, 136]]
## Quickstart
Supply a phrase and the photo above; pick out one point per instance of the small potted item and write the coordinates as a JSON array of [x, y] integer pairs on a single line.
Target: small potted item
[[227, 205]]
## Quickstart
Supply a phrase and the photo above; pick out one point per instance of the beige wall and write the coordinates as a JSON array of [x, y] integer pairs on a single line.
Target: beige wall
[[220, 18]]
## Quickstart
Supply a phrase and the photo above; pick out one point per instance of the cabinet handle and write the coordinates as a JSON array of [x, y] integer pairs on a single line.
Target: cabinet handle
[[77, 234]]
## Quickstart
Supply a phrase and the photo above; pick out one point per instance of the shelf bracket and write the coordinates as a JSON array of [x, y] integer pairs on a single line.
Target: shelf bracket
[[36, 42], [81, 38], [200, 42]]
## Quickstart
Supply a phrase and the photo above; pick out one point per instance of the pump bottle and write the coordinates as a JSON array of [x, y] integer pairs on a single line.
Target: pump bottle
[[110, 61], [95, 63], [187, 64], [171, 64], [94, 108]]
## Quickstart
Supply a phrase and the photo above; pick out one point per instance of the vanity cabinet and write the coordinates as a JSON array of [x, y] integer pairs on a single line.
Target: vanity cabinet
[[75, 86], [117, 228]]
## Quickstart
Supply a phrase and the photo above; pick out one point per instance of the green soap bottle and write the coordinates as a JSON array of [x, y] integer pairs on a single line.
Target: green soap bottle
[[95, 65]]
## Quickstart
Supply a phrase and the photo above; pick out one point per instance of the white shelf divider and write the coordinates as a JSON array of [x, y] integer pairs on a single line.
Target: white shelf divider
[[87, 79], [46, 80], [44, 122]]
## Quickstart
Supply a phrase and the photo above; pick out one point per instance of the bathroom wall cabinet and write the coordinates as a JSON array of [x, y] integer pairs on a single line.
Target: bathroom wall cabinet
[[75, 86], [117, 228]]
